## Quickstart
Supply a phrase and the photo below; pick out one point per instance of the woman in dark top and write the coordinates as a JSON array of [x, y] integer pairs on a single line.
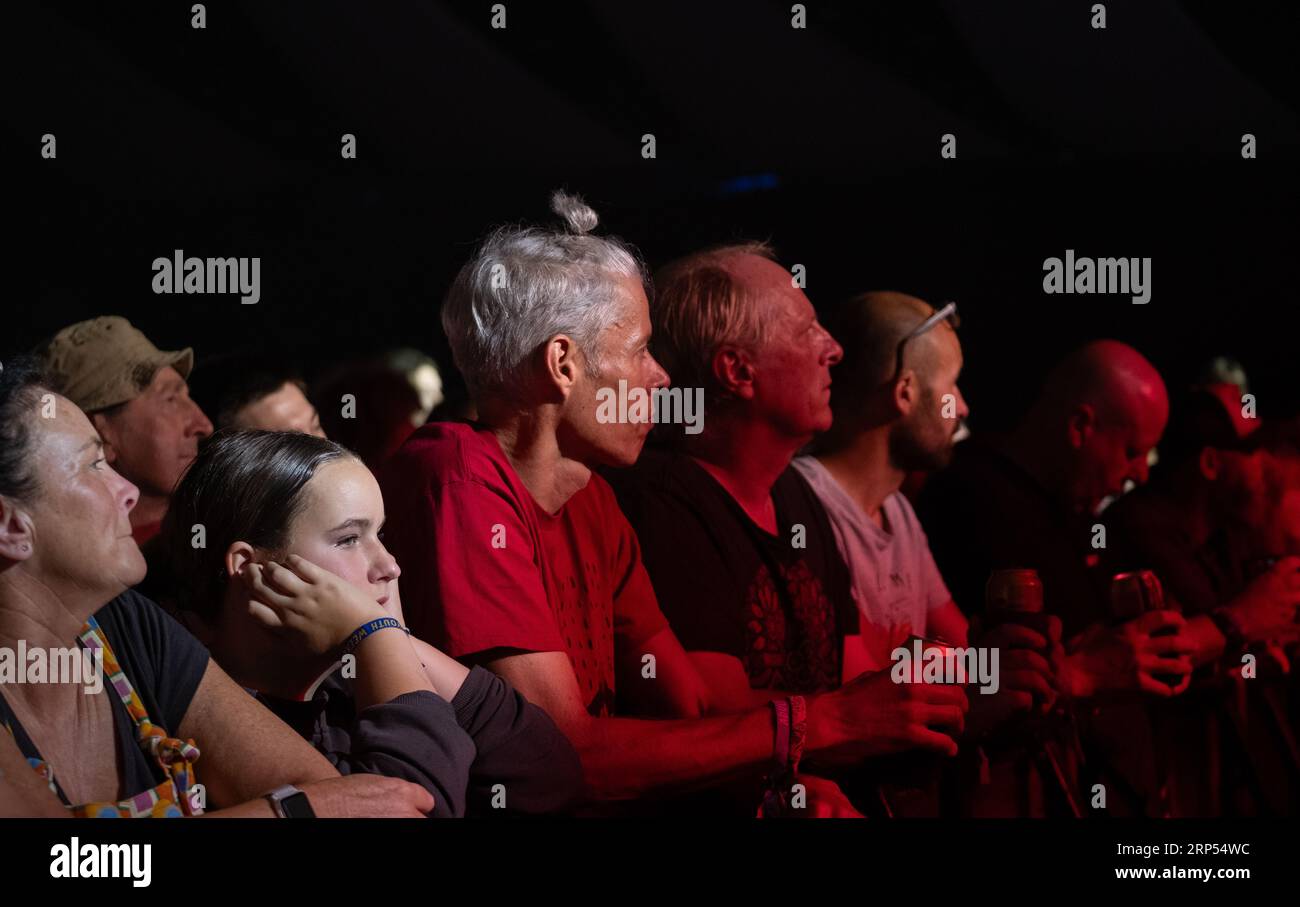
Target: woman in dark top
[[140, 736], [297, 597]]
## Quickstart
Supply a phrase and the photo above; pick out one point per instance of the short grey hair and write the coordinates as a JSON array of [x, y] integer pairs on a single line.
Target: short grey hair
[[524, 285]]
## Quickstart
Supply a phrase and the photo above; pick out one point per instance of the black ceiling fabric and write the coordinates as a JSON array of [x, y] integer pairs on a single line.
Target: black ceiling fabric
[[226, 141]]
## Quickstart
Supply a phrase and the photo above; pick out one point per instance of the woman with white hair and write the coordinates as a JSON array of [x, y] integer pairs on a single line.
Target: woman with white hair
[[540, 320], [516, 556]]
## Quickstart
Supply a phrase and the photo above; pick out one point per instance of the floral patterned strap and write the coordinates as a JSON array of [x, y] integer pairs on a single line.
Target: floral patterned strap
[[174, 796]]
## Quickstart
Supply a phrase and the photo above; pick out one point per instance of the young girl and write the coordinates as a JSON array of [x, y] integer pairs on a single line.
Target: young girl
[[164, 731], [275, 546]]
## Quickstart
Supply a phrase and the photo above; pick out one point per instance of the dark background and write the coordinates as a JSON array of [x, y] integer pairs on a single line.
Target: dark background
[[225, 142]]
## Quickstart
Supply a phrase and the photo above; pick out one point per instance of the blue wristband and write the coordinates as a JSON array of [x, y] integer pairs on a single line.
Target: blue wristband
[[374, 626]]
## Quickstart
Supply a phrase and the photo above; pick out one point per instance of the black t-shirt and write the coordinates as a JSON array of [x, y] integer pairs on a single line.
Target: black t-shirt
[[780, 603], [985, 513], [164, 663]]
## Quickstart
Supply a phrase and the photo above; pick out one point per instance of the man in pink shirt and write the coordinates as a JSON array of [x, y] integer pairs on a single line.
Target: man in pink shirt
[[515, 555]]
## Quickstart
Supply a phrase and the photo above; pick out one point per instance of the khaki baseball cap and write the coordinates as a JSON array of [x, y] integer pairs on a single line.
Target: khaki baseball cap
[[105, 361]]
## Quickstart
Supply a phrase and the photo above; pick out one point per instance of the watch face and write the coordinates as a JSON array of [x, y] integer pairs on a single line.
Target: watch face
[[296, 806]]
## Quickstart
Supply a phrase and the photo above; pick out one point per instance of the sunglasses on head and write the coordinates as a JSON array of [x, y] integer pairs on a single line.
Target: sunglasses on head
[[946, 312]]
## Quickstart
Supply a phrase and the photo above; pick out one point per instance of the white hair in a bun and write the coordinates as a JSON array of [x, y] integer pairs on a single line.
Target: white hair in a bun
[[577, 215], [524, 285]]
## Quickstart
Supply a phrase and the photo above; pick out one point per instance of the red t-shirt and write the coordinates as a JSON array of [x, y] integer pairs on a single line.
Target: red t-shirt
[[484, 567]]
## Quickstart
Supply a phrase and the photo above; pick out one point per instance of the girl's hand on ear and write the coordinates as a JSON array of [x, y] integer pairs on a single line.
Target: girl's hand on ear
[[308, 603]]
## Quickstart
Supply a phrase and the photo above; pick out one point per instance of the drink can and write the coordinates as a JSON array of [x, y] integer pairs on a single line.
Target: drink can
[[1134, 593], [1017, 591]]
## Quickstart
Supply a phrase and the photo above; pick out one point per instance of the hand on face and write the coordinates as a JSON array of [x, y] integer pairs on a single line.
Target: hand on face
[[306, 604], [338, 574]]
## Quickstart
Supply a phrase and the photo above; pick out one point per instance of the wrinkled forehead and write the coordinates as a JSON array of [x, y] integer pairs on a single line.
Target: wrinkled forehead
[[60, 430], [58, 415], [630, 318], [632, 297]]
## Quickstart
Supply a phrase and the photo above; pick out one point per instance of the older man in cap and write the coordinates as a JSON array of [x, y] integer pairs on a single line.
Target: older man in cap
[[136, 396]]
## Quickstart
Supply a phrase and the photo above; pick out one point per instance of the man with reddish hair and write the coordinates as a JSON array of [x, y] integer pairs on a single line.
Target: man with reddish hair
[[743, 560], [741, 553], [515, 554]]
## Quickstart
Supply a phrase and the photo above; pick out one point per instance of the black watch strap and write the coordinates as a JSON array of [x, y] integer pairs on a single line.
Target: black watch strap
[[290, 803]]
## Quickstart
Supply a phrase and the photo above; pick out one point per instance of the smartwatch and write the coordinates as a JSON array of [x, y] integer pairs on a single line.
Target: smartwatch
[[290, 803]]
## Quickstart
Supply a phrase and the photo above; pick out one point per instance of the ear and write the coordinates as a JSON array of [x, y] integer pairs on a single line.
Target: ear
[[562, 362], [1082, 423], [108, 434], [17, 535], [734, 372], [1209, 463], [239, 555], [905, 392]]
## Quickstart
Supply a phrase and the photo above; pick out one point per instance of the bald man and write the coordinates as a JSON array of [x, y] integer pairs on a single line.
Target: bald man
[[1030, 500]]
